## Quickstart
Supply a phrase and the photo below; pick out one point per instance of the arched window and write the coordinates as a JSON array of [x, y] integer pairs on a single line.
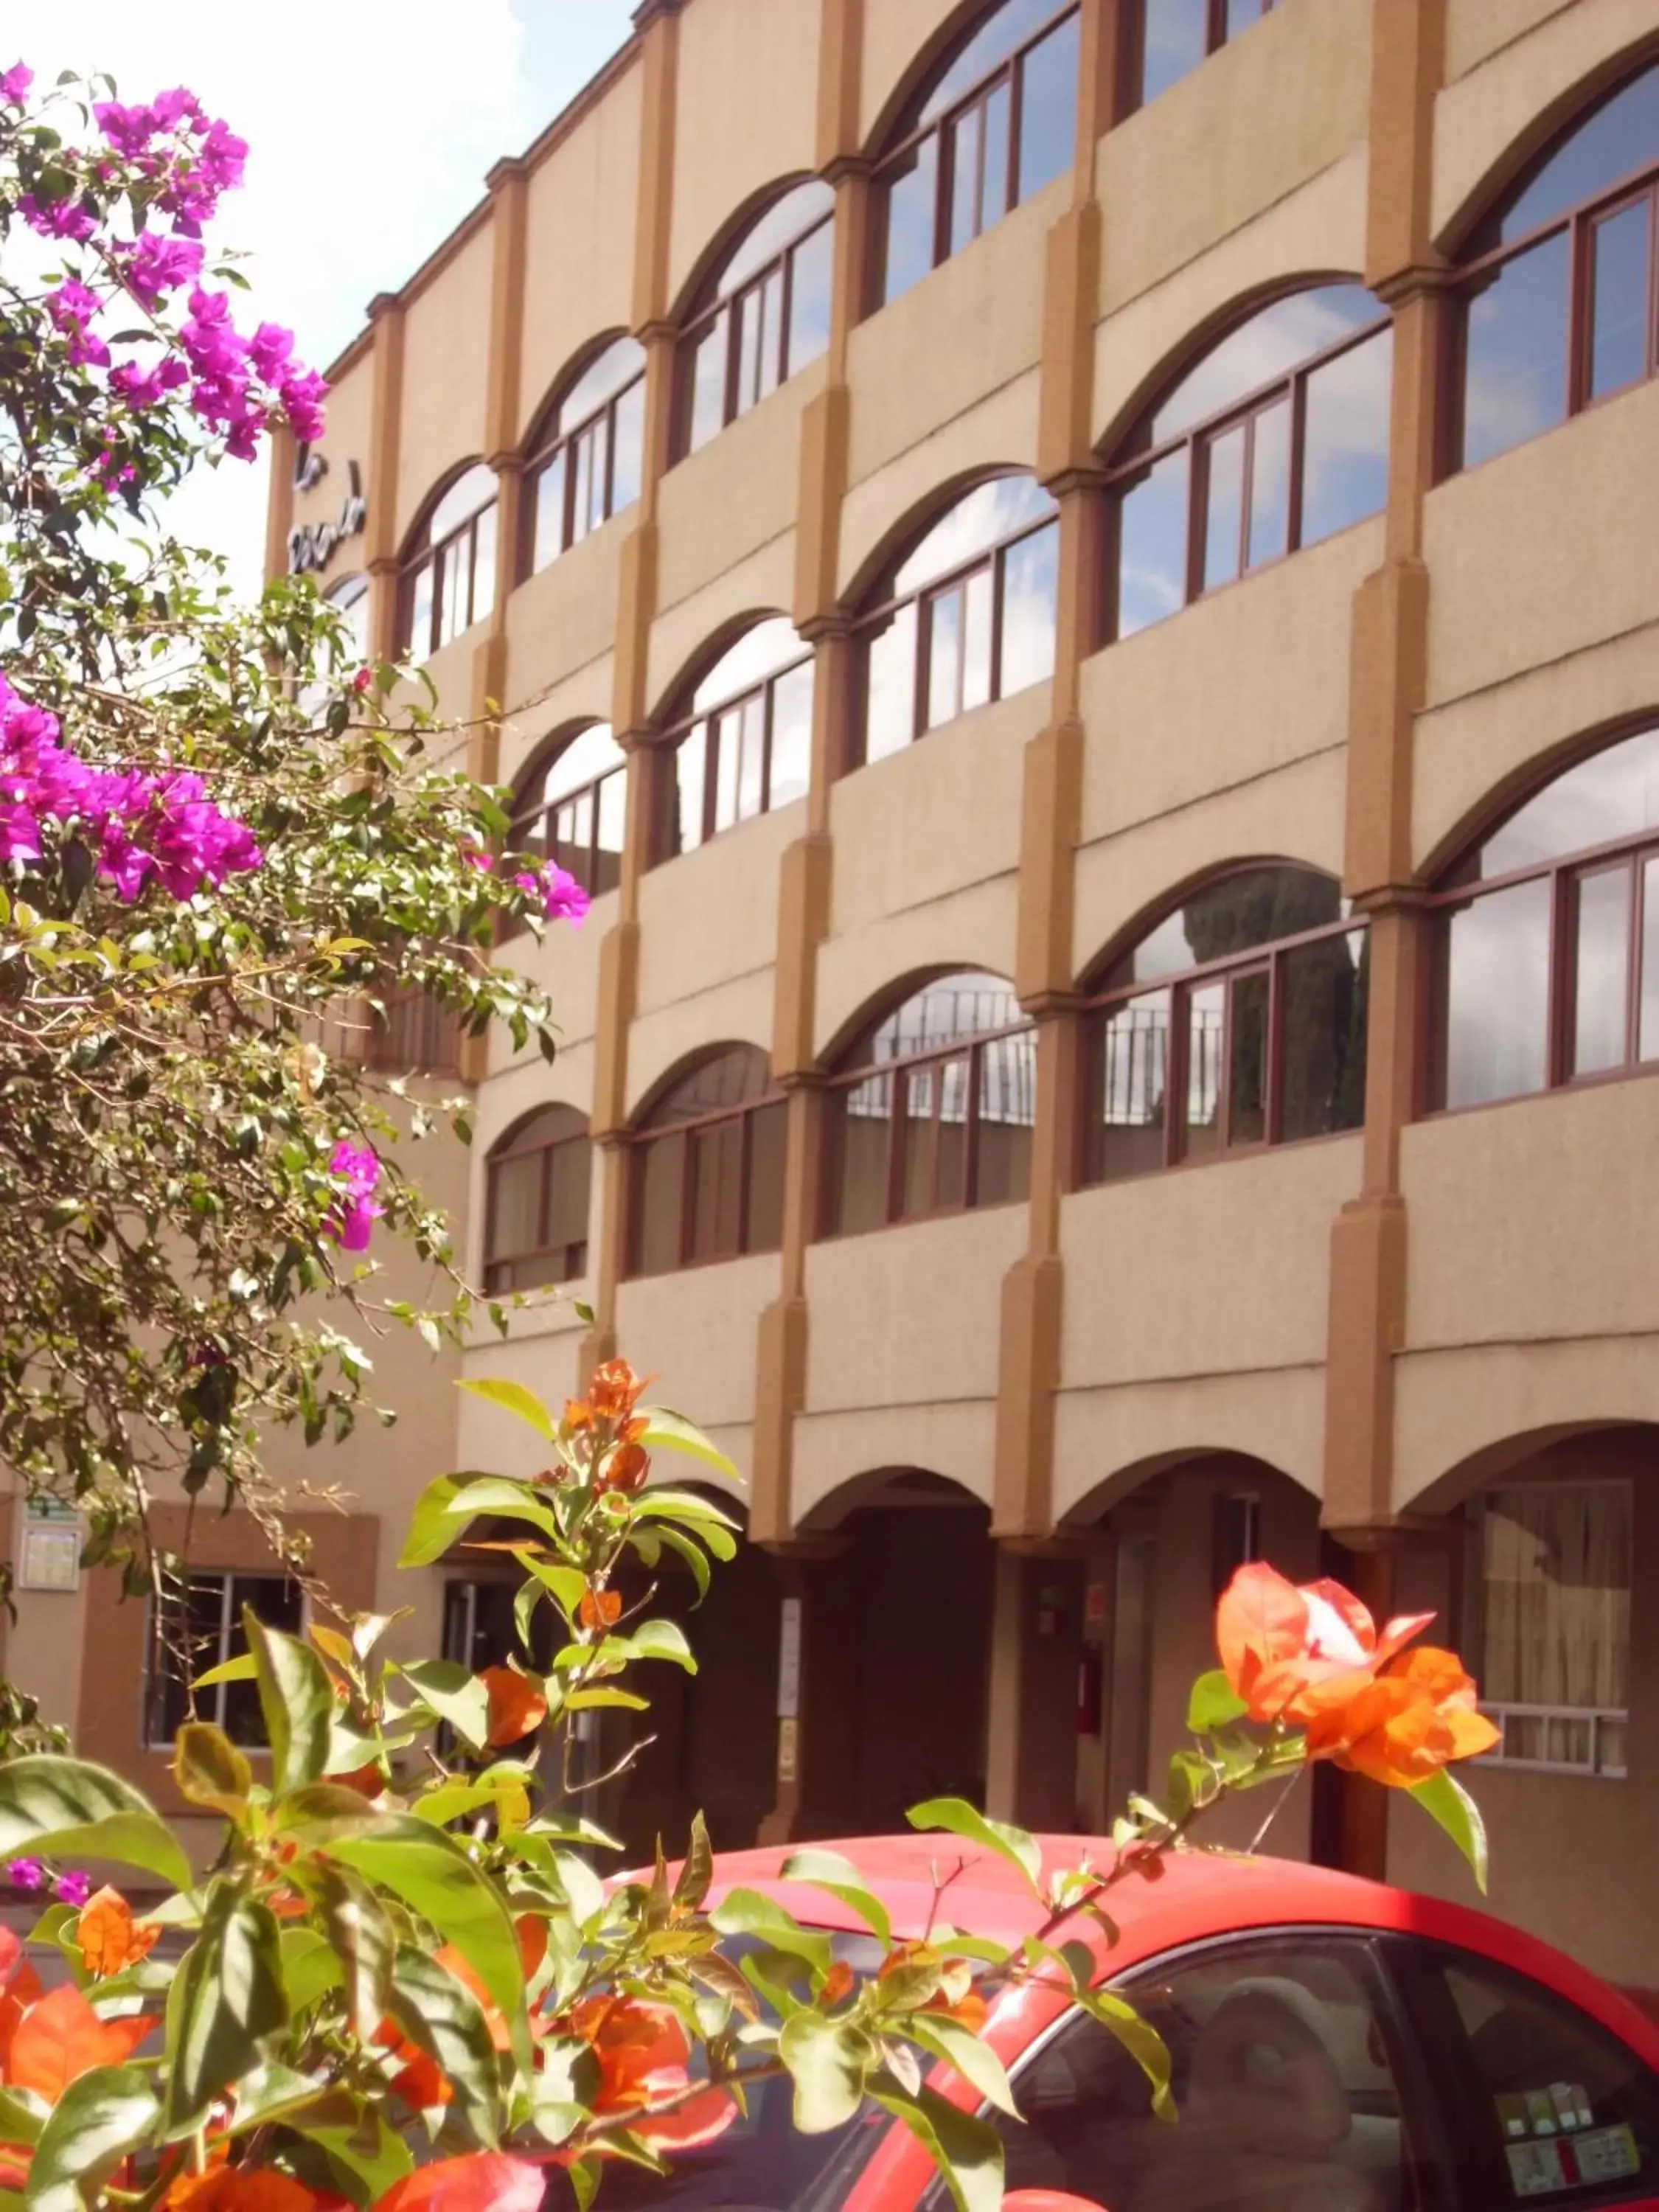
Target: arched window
[[1275, 438], [350, 599], [991, 129], [536, 1207], [1559, 281], [1170, 38], [967, 616], [932, 1108], [706, 1166], [589, 449], [743, 740], [759, 317], [1546, 939], [572, 807], [1239, 1021], [449, 564]]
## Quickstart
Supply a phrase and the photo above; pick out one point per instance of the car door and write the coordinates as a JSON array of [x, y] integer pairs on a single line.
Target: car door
[[1544, 2106]]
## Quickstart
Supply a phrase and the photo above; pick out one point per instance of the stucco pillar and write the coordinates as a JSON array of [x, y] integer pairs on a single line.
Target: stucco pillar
[[1367, 1316], [817, 1736], [385, 316], [1036, 1641], [279, 507]]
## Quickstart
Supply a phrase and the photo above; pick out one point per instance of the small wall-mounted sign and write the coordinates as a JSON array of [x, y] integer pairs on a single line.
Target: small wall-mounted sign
[[49, 1553], [789, 1660], [311, 545], [788, 1749]]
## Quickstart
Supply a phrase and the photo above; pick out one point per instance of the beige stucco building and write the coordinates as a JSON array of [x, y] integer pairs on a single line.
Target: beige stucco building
[[1102, 554]]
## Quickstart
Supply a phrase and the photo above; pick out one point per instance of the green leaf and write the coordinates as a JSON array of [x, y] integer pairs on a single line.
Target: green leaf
[[210, 1771], [509, 1501], [227, 1996], [584, 1700], [433, 1874], [958, 1817], [42, 1794], [431, 1529], [657, 1638], [966, 2150], [19, 2122], [976, 2063], [456, 1694], [747, 1912], [274, 2091], [686, 1546], [297, 1700], [102, 2117], [138, 1839], [310, 1967], [1138, 2037], [1443, 1798], [667, 1431], [698, 1870], [440, 2016], [567, 1584], [238, 1670], [365, 2151], [828, 1870], [360, 1941], [829, 2061], [1213, 1703], [513, 1398]]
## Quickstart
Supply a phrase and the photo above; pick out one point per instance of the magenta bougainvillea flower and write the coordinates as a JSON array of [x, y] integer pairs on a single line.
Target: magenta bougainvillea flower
[[358, 1169], [562, 898]]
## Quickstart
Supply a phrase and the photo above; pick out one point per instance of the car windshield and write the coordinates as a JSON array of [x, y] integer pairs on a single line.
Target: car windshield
[[761, 2163]]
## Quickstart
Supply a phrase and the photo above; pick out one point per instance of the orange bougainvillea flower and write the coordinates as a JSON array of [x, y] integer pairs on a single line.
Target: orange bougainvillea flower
[[419, 2081], [238, 2189], [1407, 1724], [599, 1608], [61, 2038], [517, 1704], [642, 2053], [627, 1468], [615, 1390], [484, 2181], [109, 1938], [1289, 1650], [837, 1984], [20, 1988]]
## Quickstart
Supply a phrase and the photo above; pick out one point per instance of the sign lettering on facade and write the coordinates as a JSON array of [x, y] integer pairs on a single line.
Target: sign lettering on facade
[[311, 545]]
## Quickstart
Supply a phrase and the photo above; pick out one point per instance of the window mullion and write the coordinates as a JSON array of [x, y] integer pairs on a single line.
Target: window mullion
[[1198, 501], [975, 1077], [1246, 490], [1558, 995], [1273, 1105], [1177, 1080], [1223, 1085], [898, 1139], [998, 587], [1634, 963], [1293, 488], [745, 1153], [1578, 302]]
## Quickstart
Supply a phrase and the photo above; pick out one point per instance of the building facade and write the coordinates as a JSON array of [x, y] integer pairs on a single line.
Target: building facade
[[1077, 581]]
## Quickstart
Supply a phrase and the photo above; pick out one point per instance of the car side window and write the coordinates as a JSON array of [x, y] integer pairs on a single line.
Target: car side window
[[1283, 2080], [1559, 2111]]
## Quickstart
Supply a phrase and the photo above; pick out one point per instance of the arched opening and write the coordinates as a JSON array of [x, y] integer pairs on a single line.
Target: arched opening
[[739, 736], [1276, 437], [587, 452], [1557, 295], [758, 316], [705, 1165], [448, 571], [538, 1180], [570, 805]]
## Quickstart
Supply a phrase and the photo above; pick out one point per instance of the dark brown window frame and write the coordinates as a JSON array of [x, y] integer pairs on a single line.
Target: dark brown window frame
[[1563, 874], [730, 304], [641, 1138], [1198, 439], [1216, 36], [1230, 968], [574, 1252], [565, 444], [581, 864], [668, 845], [433, 556], [1578, 220], [970, 1050], [1009, 71], [992, 557]]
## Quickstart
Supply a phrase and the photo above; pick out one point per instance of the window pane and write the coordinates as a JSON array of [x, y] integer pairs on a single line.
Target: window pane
[[1601, 972], [1323, 1017], [717, 1190], [916, 1196], [767, 1135], [994, 189], [1047, 109], [861, 1126], [1647, 1043], [569, 1172], [1247, 1059], [771, 359], [277, 1604], [1007, 1093], [628, 448], [1556, 1618], [912, 192], [1174, 38], [748, 728], [965, 136], [1206, 1023], [515, 1206], [811, 272], [1028, 610], [419, 622], [944, 657], [709, 383], [582, 452], [1514, 368], [976, 645], [1621, 137], [1131, 1085], [660, 1172], [483, 565], [690, 769], [1620, 260], [891, 686], [750, 312], [1224, 497], [550, 512], [1241, 13], [724, 735], [1497, 995], [791, 736], [1270, 483], [1344, 442], [613, 812], [184, 1642], [1152, 560], [1614, 793]]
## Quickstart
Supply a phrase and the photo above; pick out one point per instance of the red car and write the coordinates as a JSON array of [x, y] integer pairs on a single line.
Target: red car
[[1338, 2046]]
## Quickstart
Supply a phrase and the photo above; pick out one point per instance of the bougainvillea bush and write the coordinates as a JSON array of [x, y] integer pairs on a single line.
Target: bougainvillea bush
[[224, 844], [403, 1985]]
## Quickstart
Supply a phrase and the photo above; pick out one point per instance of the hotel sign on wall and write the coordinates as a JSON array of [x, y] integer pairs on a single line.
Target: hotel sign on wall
[[311, 545]]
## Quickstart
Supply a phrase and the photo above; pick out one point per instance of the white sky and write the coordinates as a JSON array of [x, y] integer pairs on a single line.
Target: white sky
[[371, 123]]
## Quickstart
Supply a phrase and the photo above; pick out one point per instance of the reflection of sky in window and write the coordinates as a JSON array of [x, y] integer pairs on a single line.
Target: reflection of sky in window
[[1048, 110], [758, 653], [473, 489], [992, 43], [596, 384], [891, 685], [1621, 250], [949, 1010], [1345, 454], [782, 223], [1497, 995], [1622, 137], [1515, 353], [1274, 341], [1028, 610], [1175, 41], [990, 511], [590, 754], [1613, 794]]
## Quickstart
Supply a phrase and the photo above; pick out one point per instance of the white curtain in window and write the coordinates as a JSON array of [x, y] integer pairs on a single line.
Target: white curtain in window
[[1557, 1573]]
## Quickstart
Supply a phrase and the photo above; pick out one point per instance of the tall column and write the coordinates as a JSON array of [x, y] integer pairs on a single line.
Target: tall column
[[385, 316], [279, 506], [657, 22]]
